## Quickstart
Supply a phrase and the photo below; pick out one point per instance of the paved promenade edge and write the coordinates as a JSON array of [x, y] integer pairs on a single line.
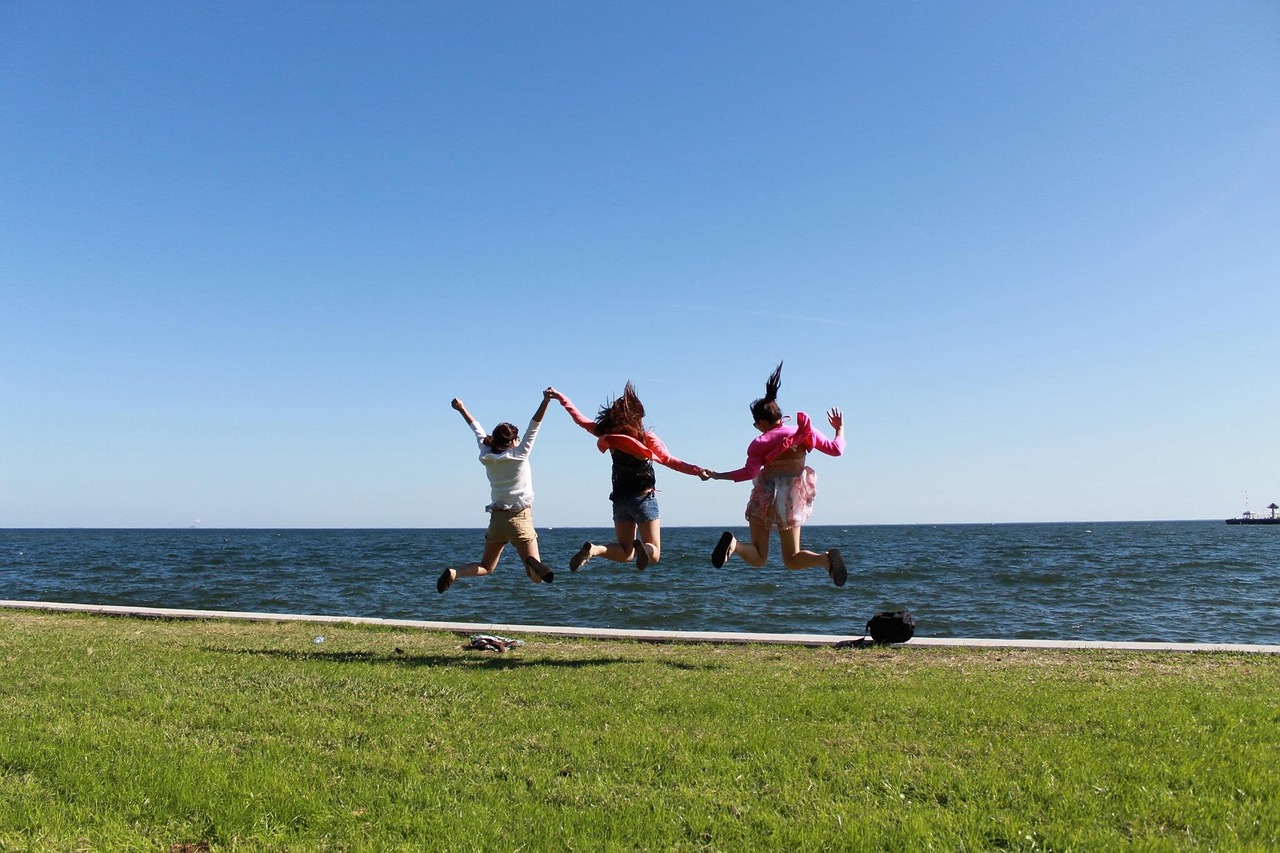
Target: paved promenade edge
[[620, 633]]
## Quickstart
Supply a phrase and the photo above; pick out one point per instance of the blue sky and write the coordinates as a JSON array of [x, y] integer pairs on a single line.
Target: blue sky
[[249, 251]]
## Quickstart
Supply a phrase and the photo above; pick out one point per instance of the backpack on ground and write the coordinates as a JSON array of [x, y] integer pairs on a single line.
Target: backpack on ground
[[892, 627]]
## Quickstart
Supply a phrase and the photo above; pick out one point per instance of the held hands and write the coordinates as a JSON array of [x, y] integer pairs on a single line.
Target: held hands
[[836, 418], [552, 394]]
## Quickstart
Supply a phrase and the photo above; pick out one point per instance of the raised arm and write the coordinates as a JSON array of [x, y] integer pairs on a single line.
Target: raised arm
[[466, 416], [542, 409], [578, 418], [471, 422], [831, 447]]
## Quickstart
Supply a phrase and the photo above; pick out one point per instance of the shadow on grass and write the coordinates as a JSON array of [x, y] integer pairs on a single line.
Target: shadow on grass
[[489, 660]]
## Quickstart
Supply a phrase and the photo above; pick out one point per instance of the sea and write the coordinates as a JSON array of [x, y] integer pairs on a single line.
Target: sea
[[1162, 581]]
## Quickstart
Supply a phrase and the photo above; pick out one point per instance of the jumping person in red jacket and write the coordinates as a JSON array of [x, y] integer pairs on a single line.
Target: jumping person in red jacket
[[619, 429]]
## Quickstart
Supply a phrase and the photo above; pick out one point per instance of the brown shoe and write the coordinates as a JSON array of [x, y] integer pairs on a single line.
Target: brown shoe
[[445, 581], [584, 554], [642, 556]]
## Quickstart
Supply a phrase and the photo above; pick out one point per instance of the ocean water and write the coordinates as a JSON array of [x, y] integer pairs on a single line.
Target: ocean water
[[1156, 581]]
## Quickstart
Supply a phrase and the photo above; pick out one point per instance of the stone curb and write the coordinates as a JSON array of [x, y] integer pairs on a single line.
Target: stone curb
[[619, 633]]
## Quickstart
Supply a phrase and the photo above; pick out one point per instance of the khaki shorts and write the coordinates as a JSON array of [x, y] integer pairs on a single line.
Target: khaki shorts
[[510, 527]]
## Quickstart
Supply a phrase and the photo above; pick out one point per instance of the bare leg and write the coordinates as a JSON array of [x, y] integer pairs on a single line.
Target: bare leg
[[622, 551], [651, 539], [755, 552], [795, 558], [488, 565]]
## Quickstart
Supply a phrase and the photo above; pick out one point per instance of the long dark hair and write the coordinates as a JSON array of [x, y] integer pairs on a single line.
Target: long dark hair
[[624, 416], [504, 435], [766, 408]]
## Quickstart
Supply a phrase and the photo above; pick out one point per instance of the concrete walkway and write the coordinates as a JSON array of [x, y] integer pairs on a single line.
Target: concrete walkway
[[618, 633]]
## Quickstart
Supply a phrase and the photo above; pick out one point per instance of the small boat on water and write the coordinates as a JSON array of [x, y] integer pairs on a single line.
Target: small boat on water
[[1249, 518]]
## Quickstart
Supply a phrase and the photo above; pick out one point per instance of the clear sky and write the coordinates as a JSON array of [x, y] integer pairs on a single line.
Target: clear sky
[[250, 250]]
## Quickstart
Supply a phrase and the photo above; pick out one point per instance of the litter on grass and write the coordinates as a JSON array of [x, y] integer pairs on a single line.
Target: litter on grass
[[492, 643]]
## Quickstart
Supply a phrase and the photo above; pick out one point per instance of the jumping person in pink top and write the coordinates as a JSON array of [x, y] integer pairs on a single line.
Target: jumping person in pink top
[[619, 428], [784, 487]]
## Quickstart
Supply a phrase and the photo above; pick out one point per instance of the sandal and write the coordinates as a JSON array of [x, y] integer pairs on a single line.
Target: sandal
[[444, 581], [837, 570], [721, 553], [584, 554], [545, 574], [642, 555]]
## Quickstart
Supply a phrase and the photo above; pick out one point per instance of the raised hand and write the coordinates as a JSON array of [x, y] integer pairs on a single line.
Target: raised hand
[[835, 417], [457, 404]]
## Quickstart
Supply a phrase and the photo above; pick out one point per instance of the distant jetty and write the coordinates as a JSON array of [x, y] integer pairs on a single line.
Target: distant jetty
[[1249, 518]]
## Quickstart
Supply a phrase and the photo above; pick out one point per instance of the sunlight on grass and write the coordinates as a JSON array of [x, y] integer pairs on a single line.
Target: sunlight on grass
[[128, 734]]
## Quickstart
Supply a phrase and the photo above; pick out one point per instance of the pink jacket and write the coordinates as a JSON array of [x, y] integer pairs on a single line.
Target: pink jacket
[[651, 448], [768, 446]]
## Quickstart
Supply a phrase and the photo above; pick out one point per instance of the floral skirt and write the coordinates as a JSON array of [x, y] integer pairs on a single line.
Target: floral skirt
[[782, 499]]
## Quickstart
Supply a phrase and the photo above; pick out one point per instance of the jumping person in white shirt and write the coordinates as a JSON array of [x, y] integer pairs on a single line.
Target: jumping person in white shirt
[[506, 460]]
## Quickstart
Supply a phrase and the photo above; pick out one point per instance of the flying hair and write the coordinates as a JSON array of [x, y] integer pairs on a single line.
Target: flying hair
[[623, 416], [766, 408]]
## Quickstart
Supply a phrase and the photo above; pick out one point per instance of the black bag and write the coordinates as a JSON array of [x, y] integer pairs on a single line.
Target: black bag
[[892, 627]]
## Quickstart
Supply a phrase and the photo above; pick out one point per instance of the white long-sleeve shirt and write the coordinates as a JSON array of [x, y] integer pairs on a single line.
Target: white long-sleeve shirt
[[510, 477]]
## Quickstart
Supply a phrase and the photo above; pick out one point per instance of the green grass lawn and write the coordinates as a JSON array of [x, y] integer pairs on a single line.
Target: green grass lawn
[[127, 734]]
